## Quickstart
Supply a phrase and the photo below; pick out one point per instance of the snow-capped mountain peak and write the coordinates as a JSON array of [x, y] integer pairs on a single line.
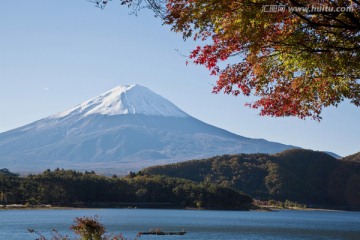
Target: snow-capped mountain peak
[[144, 129], [126, 99]]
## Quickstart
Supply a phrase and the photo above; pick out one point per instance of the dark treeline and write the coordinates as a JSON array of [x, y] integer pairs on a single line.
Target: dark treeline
[[77, 189], [303, 176]]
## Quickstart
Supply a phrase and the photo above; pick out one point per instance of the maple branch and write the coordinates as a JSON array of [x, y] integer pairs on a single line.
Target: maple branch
[[317, 24], [357, 2]]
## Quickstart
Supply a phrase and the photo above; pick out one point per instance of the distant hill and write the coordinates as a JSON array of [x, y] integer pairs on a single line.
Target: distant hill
[[333, 154], [354, 157], [304, 176]]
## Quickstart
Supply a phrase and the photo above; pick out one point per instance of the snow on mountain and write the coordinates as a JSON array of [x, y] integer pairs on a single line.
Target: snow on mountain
[[127, 128], [126, 99]]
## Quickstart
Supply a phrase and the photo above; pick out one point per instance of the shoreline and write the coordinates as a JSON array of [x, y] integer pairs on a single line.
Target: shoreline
[[36, 207], [259, 209], [274, 208]]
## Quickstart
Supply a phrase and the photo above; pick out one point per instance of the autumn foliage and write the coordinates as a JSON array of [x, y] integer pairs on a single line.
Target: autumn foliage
[[295, 57], [295, 62]]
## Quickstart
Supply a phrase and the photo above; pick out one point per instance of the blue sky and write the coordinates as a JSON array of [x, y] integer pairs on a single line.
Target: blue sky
[[56, 54]]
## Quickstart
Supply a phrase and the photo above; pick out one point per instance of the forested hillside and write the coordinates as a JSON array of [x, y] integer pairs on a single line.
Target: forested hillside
[[353, 157], [71, 188], [304, 176]]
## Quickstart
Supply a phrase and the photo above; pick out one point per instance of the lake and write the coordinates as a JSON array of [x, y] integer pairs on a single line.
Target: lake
[[199, 224]]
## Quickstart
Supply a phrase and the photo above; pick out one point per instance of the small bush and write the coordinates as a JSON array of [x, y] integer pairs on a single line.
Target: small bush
[[88, 228]]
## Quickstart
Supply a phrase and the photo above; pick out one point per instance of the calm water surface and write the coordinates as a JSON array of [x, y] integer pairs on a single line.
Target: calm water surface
[[199, 224]]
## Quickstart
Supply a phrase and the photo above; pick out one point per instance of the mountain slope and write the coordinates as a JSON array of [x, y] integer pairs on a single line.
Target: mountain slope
[[127, 128], [354, 157], [304, 176]]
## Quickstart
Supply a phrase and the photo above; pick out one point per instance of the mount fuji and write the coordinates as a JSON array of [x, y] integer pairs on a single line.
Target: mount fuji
[[126, 128]]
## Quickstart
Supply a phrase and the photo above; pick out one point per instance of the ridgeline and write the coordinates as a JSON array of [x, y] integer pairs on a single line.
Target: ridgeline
[[354, 157], [307, 177]]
